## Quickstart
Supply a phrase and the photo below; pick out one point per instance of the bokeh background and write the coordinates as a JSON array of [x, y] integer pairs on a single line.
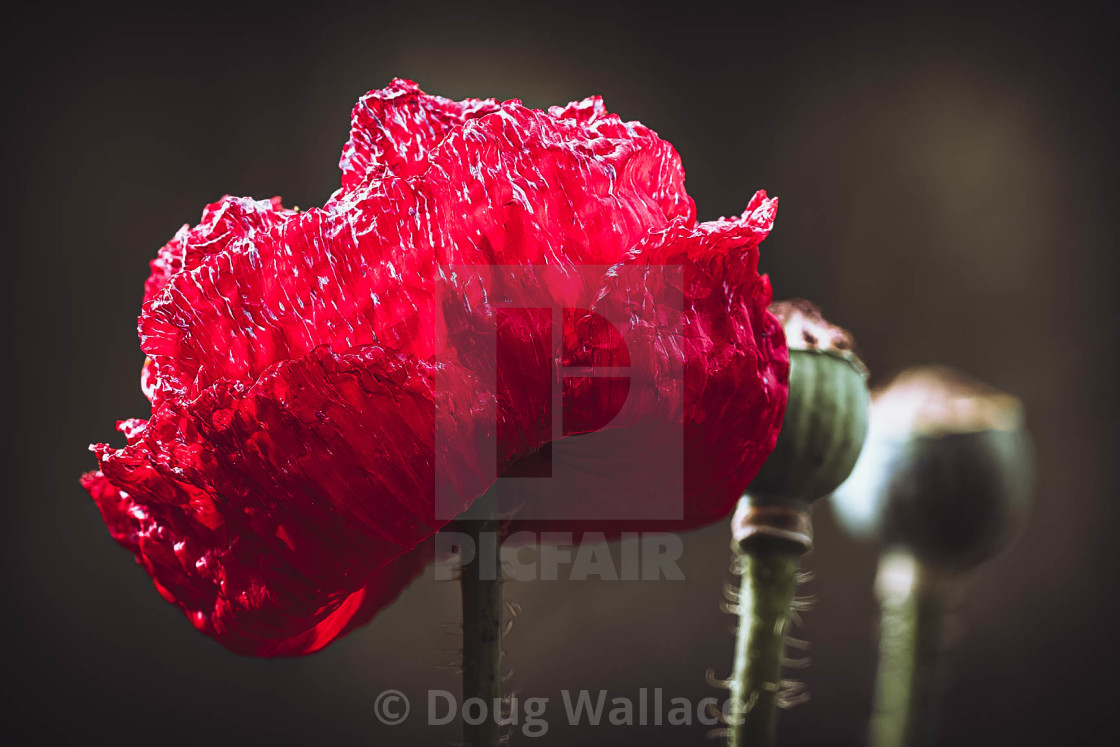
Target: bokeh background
[[948, 183]]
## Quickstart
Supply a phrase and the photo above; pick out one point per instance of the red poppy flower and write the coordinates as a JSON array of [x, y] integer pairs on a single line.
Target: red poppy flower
[[330, 388]]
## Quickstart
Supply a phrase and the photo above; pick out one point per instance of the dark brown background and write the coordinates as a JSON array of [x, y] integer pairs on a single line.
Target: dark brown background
[[948, 183]]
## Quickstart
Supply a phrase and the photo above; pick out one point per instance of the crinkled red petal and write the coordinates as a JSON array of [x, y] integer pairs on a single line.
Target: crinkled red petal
[[229, 220], [166, 555], [261, 509], [516, 187], [719, 341], [330, 388], [225, 225], [393, 130]]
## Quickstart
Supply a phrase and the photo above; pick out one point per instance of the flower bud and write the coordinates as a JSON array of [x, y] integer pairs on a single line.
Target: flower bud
[[945, 473], [822, 432]]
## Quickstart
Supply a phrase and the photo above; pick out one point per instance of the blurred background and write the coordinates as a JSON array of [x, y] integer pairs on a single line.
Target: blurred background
[[948, 182]]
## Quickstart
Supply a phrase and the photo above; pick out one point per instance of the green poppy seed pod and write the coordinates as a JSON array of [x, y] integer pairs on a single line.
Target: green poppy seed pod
[[822, 433], [945, 474]]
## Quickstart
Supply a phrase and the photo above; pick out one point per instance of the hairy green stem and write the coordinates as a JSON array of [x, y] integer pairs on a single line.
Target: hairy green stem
[[769, 579], [914, 602], [481, 583]]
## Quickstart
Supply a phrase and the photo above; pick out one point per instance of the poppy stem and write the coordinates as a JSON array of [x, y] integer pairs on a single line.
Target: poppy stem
[[481, 584], [914, 602], [769, 578]]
